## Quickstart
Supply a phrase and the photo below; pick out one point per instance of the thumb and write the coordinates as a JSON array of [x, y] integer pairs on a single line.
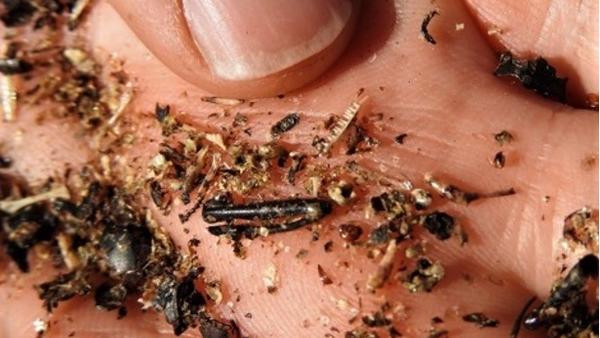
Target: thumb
[[247, 48]]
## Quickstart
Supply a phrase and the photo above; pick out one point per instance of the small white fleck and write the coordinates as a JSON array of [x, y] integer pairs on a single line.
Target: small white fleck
[[459, 26], [270, 278], [40, 325]]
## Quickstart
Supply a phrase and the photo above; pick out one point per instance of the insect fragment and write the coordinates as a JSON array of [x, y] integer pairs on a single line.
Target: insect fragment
[[285, 124], [537, 75], [425, 24], [565, 313]]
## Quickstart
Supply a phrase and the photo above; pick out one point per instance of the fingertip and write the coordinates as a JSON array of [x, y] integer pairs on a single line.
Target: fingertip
[[231, 49]]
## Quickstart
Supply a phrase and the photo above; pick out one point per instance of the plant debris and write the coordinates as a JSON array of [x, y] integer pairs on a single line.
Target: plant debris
[[425, 24], [537, 75], [421, 198], [565, 313], [384, 268], [270, 278], [223, 101], [581, 229], [459, 196], [285, 124], [480, 319], [8, 98], [424, 277]]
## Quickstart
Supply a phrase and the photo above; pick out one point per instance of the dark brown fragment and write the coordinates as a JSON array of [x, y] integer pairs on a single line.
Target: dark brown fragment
[[425, 24], [156, 193], [359, 141], [400, 138], [350, 232], [503, 137], [323, 275], [328, 246], [581, 229], [296, 166], [480, 319], [376, 319]]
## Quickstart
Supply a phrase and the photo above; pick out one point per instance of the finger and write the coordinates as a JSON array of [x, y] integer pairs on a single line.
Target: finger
[[244, 49], [565, 33]]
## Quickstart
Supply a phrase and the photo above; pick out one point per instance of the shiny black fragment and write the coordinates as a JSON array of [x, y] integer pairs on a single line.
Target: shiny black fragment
[[251, 231], [537, 75], [161, 112], [439, 224], [126, 247], [514, 332], [12, 66], [17, 12], [425, 24], [285, 124], [565, 312], [180, 302], [311, 208], [5, 162]]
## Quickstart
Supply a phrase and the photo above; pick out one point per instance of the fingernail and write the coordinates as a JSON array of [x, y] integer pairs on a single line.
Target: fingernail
[[244, 39]]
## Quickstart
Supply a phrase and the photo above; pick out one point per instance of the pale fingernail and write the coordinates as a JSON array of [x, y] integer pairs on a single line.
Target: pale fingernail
[[250, 39]]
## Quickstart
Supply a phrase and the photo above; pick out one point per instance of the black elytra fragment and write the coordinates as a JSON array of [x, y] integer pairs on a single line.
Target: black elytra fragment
[[537, 75], [5, 162], [425, 24], [17, 12], [285, 124], [440, 224], [180, 302], [311, 208], [566, 313], [126, 247], [161, 112], [14, 66]]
